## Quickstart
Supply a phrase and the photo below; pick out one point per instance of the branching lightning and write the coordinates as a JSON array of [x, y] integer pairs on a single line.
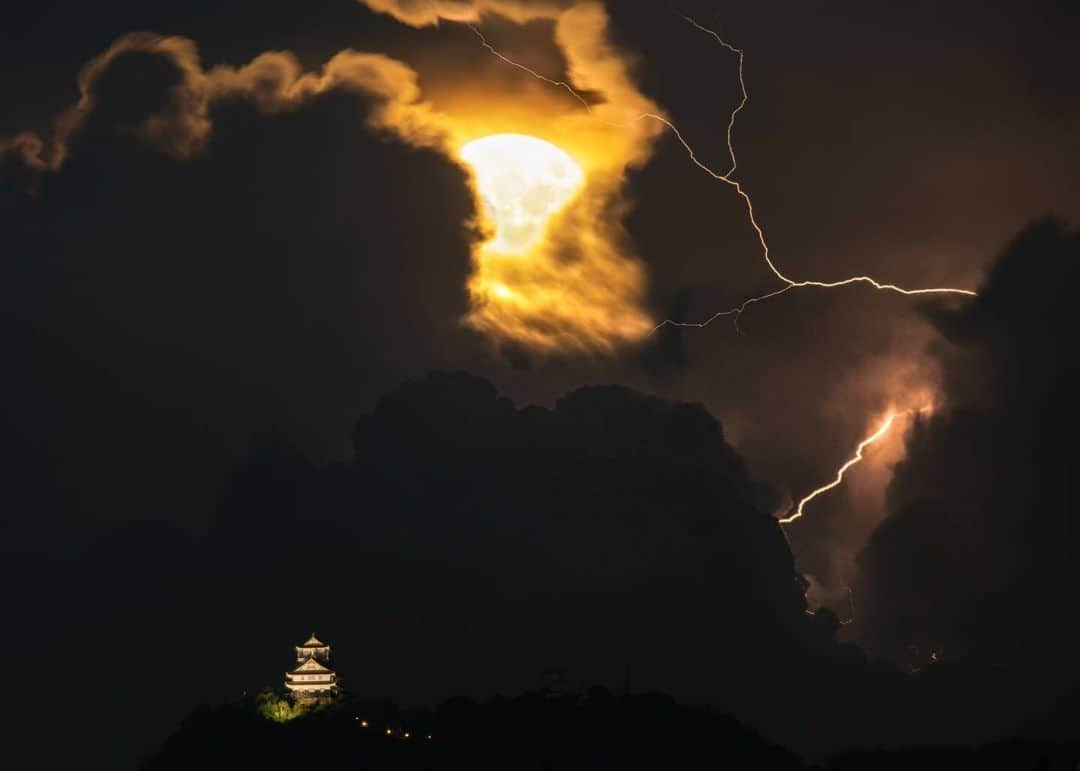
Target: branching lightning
[[787, 283], [499, 55], [727, 179], [742, 87]]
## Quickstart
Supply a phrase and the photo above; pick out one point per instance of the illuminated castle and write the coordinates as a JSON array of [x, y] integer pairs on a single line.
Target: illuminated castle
[[312, 678]]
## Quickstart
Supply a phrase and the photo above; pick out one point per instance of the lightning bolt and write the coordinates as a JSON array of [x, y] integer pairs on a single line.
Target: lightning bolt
[[787, 283], [855, 459], [506, 59], [742, 87], [879, 433], [727, 179]]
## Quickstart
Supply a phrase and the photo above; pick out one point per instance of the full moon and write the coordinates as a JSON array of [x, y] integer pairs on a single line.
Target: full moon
[[522, 181]]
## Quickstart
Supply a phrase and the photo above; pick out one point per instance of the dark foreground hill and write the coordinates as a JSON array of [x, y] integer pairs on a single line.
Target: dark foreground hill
[[533, 731], [530, 732]]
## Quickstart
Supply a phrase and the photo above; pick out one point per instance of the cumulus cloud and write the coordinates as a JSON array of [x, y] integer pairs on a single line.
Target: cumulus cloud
[[421, 13], [580, 290], [21, 161], [273, 81], [27, 147], [572, 536], [978, 555]]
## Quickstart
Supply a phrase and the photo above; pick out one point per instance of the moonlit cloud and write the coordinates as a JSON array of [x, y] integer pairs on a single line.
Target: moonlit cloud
[[273, 81], [422, 13], [580, 288]]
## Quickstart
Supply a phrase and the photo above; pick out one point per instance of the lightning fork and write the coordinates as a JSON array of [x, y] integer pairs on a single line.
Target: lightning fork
[[742, 87], [727, 179], [499, 55]]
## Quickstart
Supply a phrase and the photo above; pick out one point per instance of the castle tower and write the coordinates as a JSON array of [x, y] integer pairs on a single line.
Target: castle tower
[[312, 677]]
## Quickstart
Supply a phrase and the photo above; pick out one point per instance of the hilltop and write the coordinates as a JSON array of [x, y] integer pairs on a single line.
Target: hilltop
[[532, 731]]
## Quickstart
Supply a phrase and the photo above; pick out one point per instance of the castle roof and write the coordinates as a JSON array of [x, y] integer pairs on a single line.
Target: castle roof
[[311, 665], [313, 642]]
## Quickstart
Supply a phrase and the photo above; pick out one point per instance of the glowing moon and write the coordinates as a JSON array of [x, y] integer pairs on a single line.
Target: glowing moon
[[522, 181]]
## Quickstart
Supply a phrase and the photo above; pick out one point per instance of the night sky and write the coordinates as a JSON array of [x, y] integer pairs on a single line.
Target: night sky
[[249, 388]]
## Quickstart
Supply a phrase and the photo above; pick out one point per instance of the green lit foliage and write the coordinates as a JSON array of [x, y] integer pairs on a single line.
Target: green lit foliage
[[280, 709]]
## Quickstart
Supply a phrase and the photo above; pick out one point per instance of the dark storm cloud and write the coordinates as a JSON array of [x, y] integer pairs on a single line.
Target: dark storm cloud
[[908, 143], [176, 116], [163, 305], [467, 546], [22, 149], [692, 231], [163, 316], [978, 558]]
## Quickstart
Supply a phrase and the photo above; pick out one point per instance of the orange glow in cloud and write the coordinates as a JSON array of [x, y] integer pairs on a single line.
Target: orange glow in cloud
[[553, 271], [558, 277], [648, 115], [548, 274]]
